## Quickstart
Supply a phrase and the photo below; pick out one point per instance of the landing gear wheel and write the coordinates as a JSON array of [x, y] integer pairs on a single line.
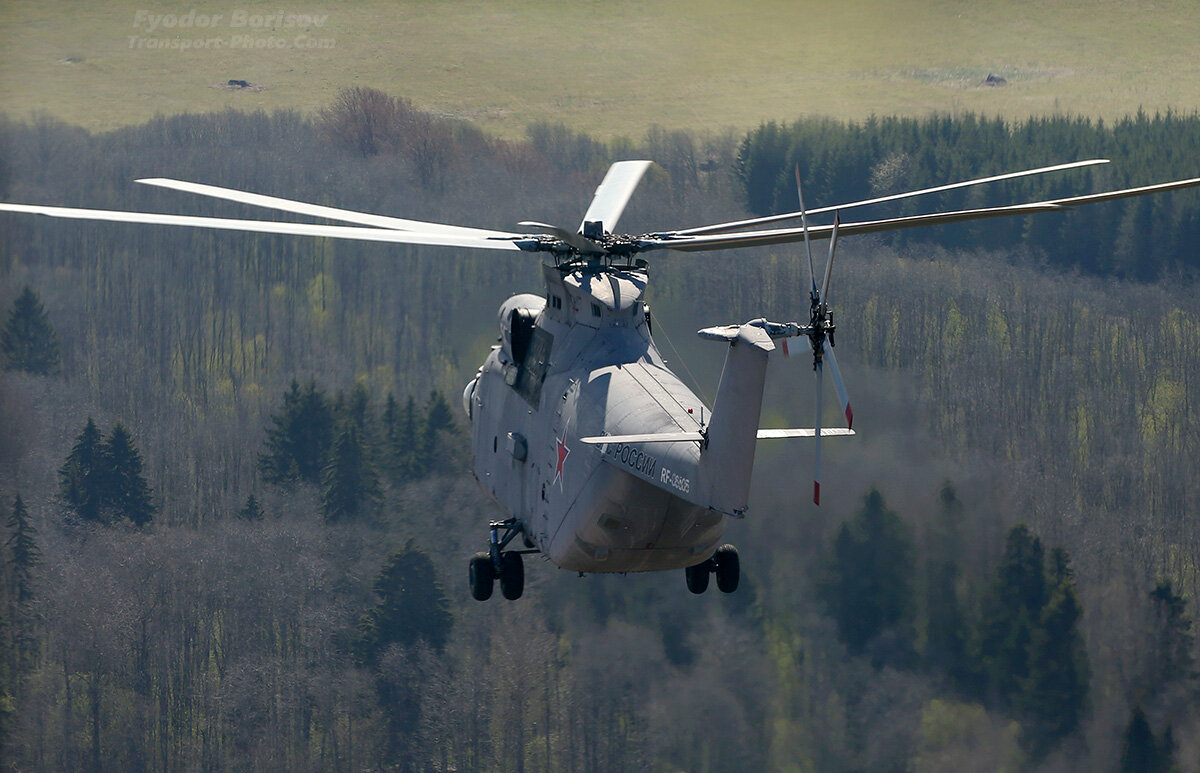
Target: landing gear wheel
[[512, 575], [482, 576], [728, 569], [697, 577]]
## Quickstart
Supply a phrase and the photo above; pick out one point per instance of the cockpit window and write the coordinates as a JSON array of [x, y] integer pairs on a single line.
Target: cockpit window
[[531, 370]]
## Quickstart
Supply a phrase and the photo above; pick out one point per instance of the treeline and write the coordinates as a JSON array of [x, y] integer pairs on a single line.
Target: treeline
[[1143, 238]]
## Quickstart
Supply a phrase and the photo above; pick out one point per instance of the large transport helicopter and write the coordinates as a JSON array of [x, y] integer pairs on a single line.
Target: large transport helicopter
[[602, 458]]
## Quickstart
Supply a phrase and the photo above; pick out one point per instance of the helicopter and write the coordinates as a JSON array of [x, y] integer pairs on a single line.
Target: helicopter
[[602, 458]]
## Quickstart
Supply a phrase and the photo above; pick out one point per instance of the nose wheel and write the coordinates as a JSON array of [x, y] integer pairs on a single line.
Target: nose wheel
[[724, 563], [507, 566]]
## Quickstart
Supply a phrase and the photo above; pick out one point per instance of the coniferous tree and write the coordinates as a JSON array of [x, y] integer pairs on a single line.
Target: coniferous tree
[[391, 450], [1054, 696], [251, 511], [414, 460], [868, 589], [300, 437], [356, 408], [28, 341], [351, 485], [24, 554], [1141, 752], [82, 478], [125, 488], [438, 415], [411, 606], [1171, 656], [411, 611], [23, 558], [8, 707], [1011, 612], [438, 419], [946, 626]]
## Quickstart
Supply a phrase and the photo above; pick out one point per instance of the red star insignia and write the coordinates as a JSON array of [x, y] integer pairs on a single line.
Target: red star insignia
[[563, 453]]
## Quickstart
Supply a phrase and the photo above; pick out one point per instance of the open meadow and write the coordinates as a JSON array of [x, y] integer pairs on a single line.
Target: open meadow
[[611, 68]]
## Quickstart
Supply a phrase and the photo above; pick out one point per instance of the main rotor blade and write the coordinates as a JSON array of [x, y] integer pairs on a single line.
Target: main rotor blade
[[613, 193], [272, 227], [738, 224], [843, 395], [1093, 198], [317, 210], [789, 235]]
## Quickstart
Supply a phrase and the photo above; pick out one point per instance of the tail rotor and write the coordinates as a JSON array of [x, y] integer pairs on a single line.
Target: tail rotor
[[820, 336]]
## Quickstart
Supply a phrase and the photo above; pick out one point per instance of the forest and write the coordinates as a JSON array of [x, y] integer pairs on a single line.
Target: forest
[[236, 508]]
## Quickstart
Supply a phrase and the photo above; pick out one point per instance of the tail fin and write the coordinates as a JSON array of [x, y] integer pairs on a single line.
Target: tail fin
[[728, 456]]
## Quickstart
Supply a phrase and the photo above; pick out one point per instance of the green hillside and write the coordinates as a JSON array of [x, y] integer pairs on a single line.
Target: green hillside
[[610, 68]]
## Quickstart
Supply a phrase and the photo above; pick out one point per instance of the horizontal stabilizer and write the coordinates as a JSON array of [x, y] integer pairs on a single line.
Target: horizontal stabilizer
[[774, 434], [650, 437], [676, 437]]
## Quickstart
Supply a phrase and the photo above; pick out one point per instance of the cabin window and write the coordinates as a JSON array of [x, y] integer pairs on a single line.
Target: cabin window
[[555, 302], [595, 309]]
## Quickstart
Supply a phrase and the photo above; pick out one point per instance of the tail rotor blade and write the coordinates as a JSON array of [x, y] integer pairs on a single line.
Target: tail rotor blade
[[843, 395], [817, 440], [829, 263], [812, 274]]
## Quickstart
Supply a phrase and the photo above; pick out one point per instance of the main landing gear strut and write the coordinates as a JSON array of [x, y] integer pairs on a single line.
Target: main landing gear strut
[[498, 563], [723, 563]]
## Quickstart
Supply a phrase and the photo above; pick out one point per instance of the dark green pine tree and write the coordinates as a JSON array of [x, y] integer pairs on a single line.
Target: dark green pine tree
[[946, 630], [411, 606], [410, 610], [24, 554], [356, 408], [413, 457], [300, 437], [438, 415], [252, 511], [8, 707], [1141, 752], [126, 490], [1011, 611], [1054, 696], [24, 557], [868, 586], [350, 484], [1171, 654], [391, 448], [82, 478], [438, 419], [28, 341]]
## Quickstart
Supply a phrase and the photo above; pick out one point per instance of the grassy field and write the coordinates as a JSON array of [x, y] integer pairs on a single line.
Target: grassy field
[[610, 67]]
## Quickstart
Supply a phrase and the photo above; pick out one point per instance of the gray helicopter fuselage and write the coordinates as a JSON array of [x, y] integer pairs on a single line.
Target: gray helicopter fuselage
[[581, 362]]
